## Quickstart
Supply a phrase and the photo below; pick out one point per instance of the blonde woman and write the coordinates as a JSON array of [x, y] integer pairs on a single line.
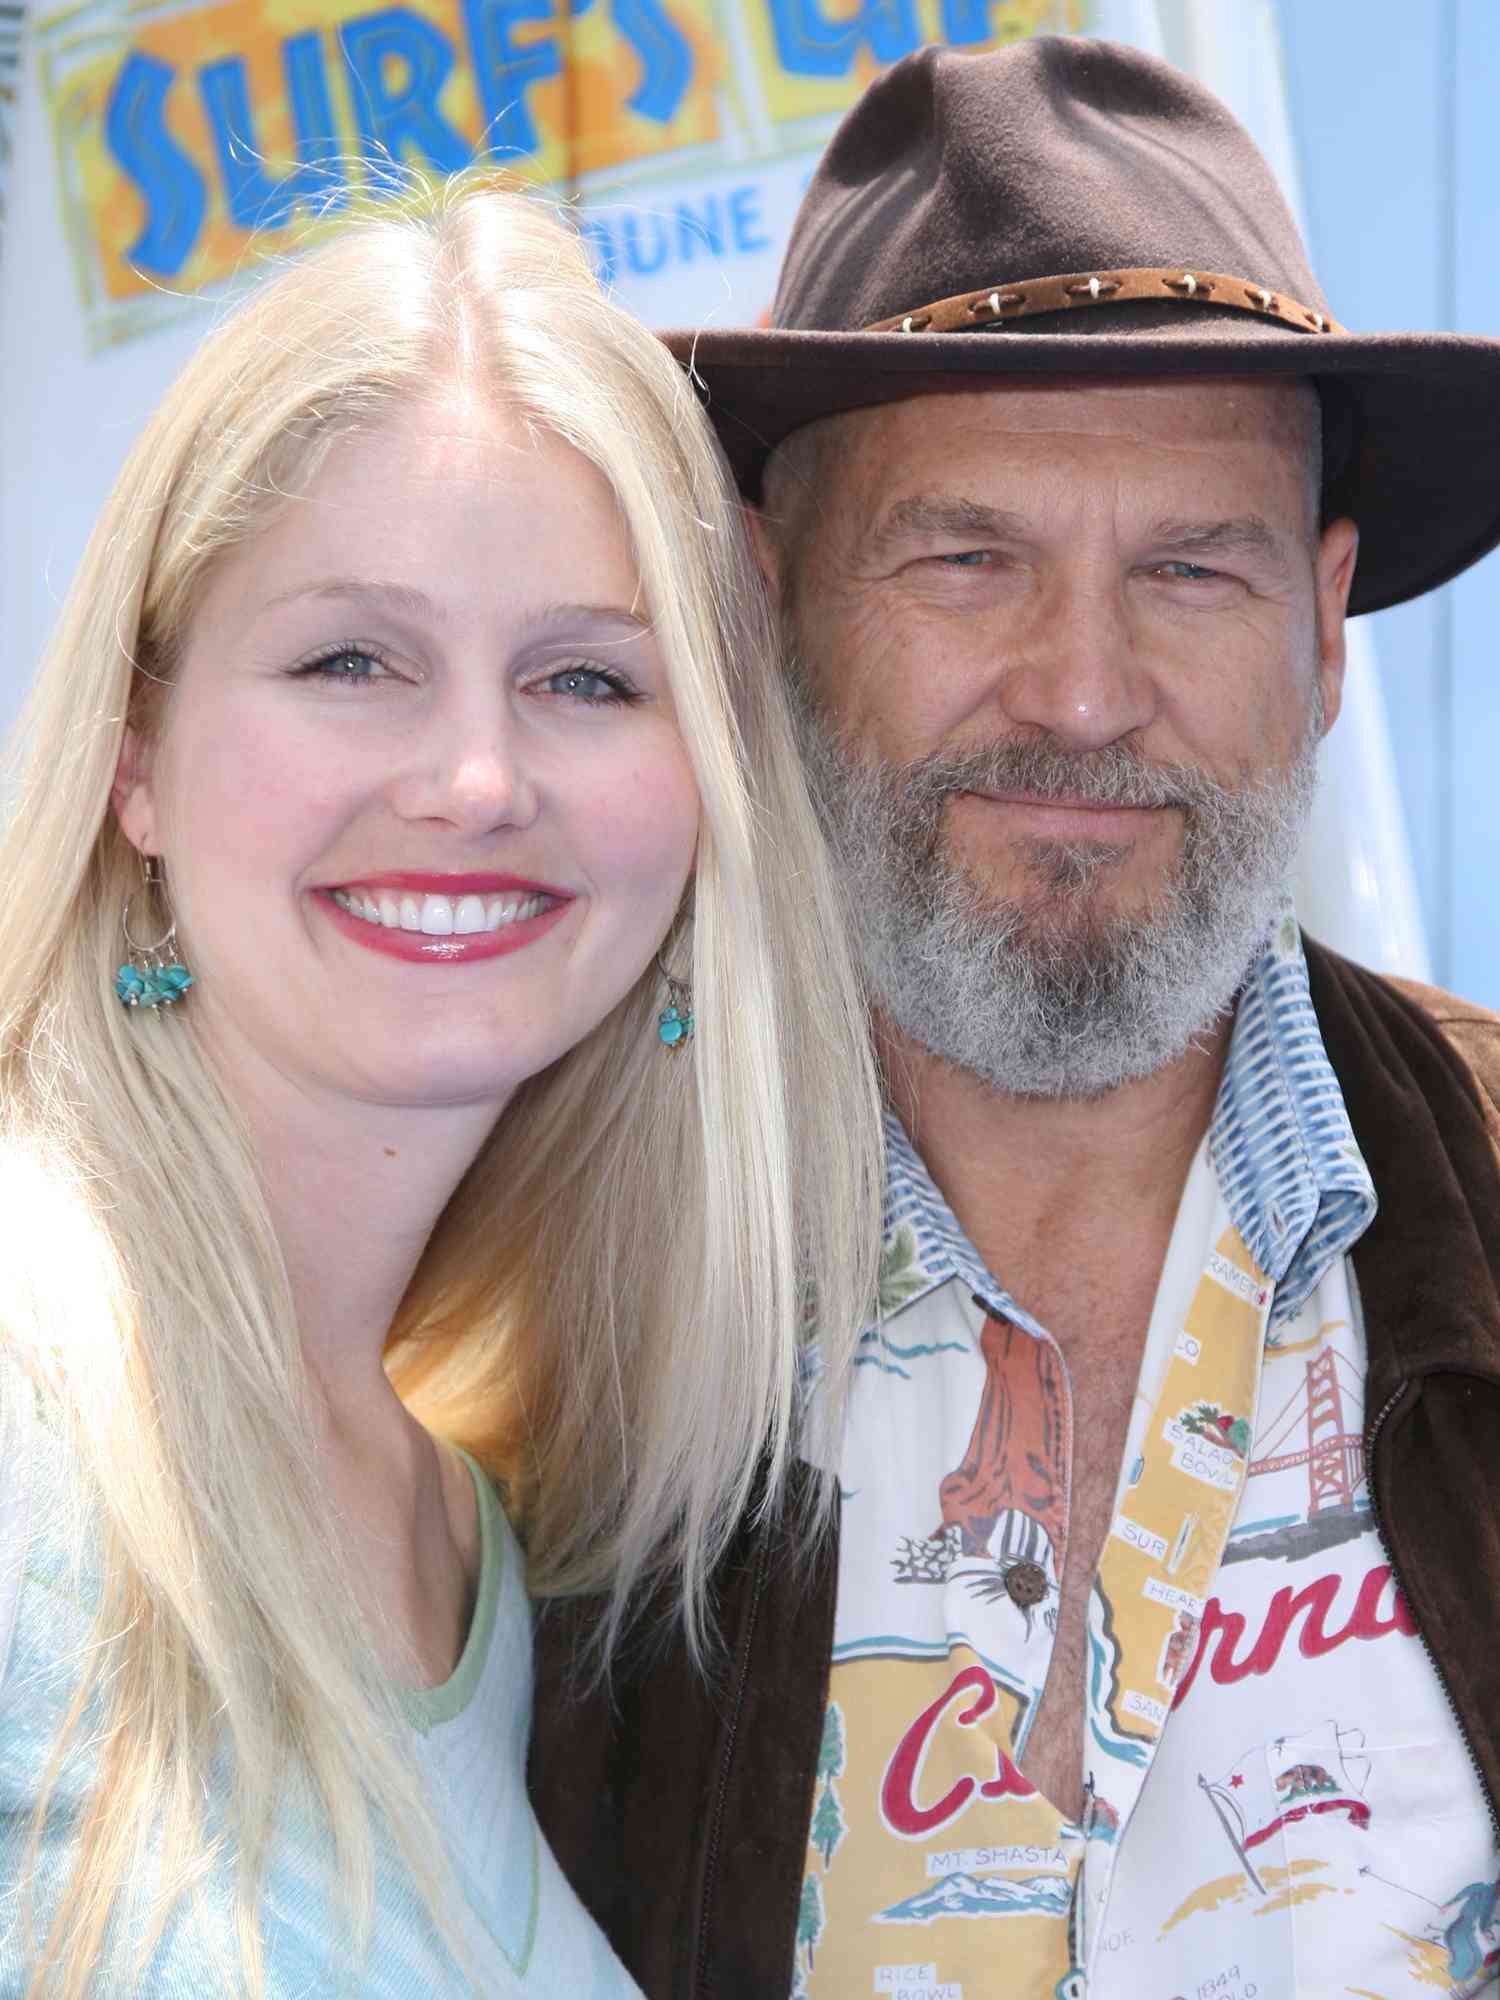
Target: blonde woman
[[488, 1094]]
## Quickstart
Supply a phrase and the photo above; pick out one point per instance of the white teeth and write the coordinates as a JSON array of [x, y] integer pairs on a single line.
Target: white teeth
[[439, 916]]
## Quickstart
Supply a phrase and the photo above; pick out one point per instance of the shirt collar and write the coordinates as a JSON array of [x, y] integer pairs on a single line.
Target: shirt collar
[[925, 1244], [1292, 1175], [1294, 1180]]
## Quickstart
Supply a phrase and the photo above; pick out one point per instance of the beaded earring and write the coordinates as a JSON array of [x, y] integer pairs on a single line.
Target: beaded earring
[[674, 1024], [153, 976]]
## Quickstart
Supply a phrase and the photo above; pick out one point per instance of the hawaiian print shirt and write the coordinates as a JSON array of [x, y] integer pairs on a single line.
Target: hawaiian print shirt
[[1279, 1801]]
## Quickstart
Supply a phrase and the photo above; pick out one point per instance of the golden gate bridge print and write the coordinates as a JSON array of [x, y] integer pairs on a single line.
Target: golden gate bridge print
[[1315, 1428]]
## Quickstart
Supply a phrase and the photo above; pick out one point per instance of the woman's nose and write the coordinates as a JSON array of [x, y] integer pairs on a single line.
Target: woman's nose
[[471, 772]]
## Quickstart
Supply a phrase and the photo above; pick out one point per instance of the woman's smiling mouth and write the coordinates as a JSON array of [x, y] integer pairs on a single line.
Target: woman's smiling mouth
[[439, 916], [411, 917]]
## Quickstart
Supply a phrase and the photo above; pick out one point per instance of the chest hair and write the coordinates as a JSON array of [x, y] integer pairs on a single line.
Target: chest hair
[[1099, 1321]]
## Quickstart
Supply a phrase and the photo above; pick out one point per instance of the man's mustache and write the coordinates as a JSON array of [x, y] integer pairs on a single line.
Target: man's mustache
[[1113, 775]]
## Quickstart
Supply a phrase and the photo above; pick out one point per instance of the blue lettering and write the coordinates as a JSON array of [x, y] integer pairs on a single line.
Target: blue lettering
[[661, 248], [642, 242], [966, 21], [135, 131], [390, 119], [255, 200], [507, 71], [744, 215], [809, 44], [666, 57], [699, 231]]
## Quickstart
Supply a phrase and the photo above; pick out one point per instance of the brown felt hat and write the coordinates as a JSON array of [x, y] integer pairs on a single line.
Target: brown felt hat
[[1071, 207]]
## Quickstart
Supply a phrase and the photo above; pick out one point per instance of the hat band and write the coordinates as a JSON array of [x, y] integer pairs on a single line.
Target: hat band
[[1097, 288]]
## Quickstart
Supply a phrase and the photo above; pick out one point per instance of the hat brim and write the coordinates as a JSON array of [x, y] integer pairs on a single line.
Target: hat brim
[[1421, 477]]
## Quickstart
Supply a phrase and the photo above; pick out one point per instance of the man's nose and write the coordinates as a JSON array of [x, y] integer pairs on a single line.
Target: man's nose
[[1073, 668]]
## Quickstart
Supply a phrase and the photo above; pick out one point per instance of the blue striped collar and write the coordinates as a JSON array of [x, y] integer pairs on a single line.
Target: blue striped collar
[[1293, 1179]]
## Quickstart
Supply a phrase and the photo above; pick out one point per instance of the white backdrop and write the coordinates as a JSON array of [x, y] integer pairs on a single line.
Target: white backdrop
[[687, 215]]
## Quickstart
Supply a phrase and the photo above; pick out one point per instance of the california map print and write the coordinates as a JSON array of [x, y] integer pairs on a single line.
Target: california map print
[[1253, 1801], [1362, 1843], [1004, 1526], [1312, 1427]]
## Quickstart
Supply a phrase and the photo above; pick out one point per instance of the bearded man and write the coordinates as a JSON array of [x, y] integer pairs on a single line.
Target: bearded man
[[1160, 1650]]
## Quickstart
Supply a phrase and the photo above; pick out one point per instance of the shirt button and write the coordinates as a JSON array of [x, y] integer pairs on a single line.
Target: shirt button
[[1026, 1584]]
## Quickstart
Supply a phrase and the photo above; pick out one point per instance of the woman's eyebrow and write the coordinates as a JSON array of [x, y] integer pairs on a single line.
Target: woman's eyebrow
[[399, 597], [587, 614], [409, 602]]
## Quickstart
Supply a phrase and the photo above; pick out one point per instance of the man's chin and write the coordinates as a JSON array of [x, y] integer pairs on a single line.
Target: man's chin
[[1129, 875], [1049, 905]]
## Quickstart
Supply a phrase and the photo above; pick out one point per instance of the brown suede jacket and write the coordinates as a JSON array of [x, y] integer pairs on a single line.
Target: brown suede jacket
[[679, 1807]]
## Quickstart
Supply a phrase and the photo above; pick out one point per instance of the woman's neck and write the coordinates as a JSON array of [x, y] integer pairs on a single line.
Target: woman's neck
[[354, 1190]]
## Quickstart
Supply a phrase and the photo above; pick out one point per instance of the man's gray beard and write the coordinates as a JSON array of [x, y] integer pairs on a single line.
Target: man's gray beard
[[1048, 994]]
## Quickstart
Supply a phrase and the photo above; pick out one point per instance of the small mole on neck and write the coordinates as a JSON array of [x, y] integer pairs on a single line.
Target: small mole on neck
[[389, 1151]]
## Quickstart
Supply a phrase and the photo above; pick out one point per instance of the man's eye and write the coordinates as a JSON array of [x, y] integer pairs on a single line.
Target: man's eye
[[966, 559], [1188, 572]]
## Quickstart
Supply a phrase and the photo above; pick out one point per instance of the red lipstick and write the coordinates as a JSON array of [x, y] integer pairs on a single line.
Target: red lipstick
[[419, 883]]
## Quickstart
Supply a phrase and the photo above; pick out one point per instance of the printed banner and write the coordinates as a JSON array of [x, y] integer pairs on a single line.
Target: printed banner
[[191, 141]]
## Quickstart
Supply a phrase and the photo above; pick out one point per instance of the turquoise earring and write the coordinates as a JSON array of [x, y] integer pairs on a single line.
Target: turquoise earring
[[674, 1024], [153, 975]]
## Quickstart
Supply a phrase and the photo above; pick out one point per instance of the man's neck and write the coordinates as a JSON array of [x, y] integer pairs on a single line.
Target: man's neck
[[1030, 1179]]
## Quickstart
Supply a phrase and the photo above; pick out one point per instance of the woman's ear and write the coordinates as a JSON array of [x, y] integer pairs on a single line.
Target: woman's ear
[[132, 796]]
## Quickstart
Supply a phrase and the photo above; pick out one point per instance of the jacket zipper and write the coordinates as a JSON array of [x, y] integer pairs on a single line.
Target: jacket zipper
[[1371, 1442]]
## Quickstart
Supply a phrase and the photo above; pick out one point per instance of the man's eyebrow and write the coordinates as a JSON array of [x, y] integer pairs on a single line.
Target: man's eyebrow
[[1239, 535], [941, 514]]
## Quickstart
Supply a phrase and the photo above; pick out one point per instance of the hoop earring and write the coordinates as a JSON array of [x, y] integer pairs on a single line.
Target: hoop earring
[[153, 975], [674, 1024]]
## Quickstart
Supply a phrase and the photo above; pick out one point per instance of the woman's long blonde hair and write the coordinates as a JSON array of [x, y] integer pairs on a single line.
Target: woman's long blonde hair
[[609, 1311]]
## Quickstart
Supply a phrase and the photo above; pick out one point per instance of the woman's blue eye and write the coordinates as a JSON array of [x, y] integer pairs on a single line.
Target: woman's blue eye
[[348, 663], [590, 684]]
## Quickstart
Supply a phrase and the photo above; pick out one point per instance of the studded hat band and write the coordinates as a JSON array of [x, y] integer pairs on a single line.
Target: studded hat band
[[1098, 288]]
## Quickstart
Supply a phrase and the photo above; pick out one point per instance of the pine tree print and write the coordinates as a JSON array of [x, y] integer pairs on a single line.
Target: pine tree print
[[902, 1276], [810, 1918], [828, 1825], [831, 1749]]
